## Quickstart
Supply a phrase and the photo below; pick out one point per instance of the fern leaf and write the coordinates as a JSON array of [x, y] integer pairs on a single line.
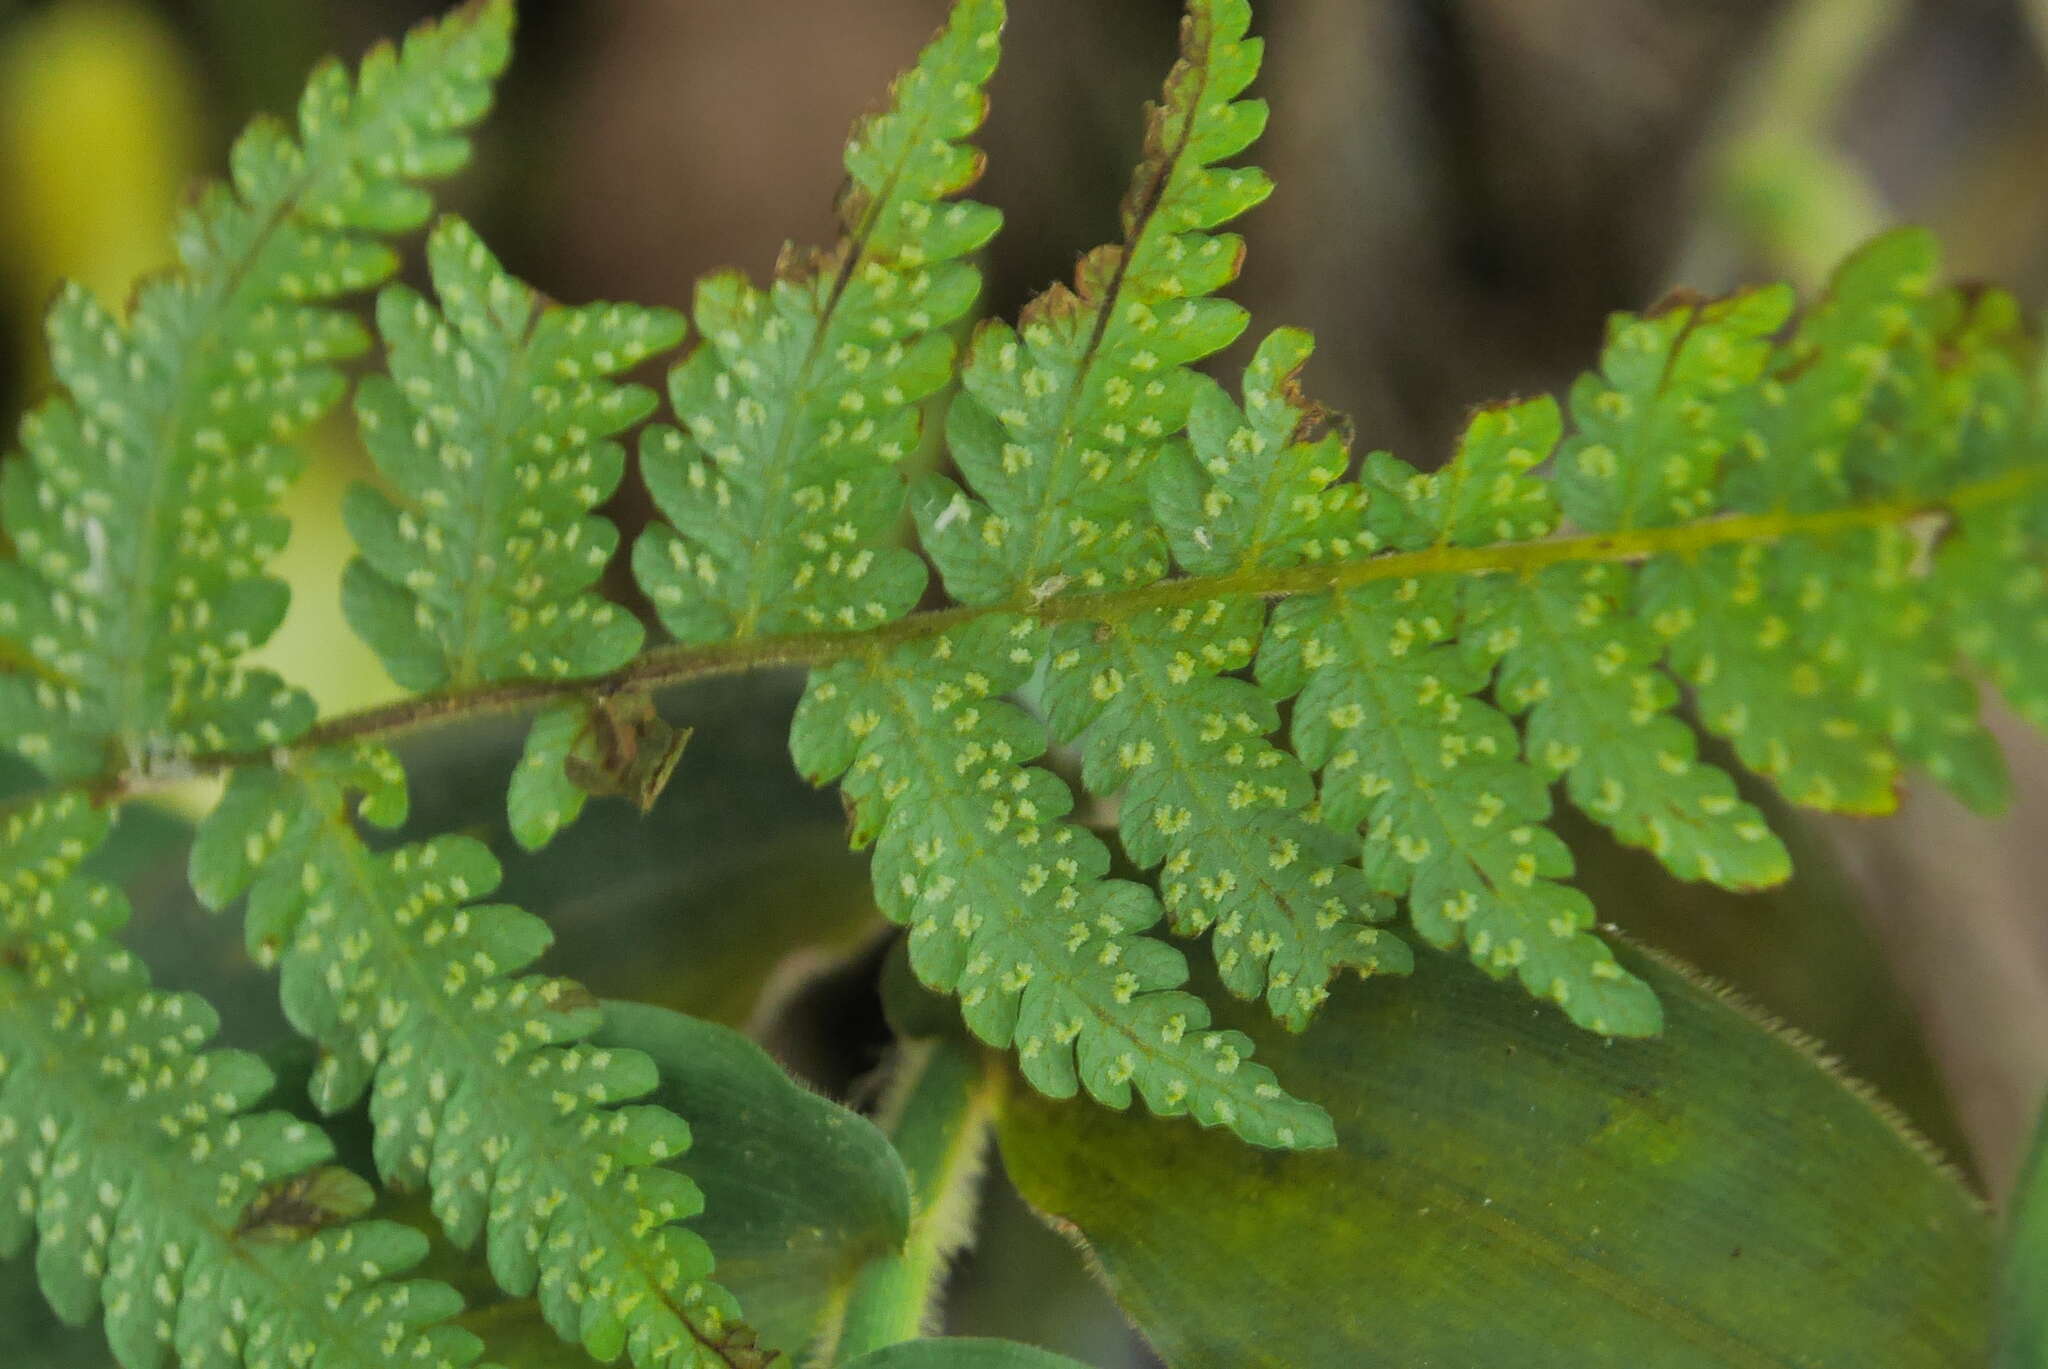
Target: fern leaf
[[129, 1151], [1652, 430], [1063, 428], [1990, 576], [1600, 718], [1388, 709], [1204, 795], [144, 512], [1729, 638], [1821, 658], [803, 398], [1061, 419], [493, 428], [1994, 581], [1260, 486], [482, 1089], [1218, 809], [1005, 900], [542, 799], [1654, 426]]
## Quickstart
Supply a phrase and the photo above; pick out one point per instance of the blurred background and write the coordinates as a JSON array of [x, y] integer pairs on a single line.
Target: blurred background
[[1466, 189]]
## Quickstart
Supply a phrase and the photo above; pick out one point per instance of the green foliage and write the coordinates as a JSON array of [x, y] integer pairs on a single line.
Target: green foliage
[[1307, 693], [1387, 707], [482, 1085], [1826, 660], [493, 428], [1734, 1221], [1060, 419], [2022, 1334], [144, 510], [801, 401], [132, 1153], [1006, 901], [1219, 810]]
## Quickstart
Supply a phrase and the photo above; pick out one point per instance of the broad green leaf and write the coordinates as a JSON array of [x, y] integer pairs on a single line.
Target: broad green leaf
[[1802, 951], [1508, 1191], [2023, 1306], [961, 1353], [798, 1191]]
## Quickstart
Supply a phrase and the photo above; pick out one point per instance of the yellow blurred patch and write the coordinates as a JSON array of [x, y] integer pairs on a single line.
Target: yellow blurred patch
[[98, 134]]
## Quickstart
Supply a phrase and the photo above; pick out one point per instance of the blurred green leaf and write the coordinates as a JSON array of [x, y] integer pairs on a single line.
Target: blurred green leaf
[[1801, 951], [1510, 1191], [2023, 1309], [516, 1336], [734, 885], [34, 1338], [962, 1354], [1021, 1280], [798, 1191]]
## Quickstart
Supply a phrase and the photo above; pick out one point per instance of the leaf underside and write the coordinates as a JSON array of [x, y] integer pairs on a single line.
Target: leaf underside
[[1309, 691]]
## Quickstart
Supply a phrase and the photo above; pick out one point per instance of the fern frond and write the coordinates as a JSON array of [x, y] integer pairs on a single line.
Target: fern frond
[[1991, 574], [493, 428], [1061, 430], [1061, 418], [1387, 706], [1993, 580], [1821, 659], [145, 510], [1652, 431], [802, 399], [1005, 899], [1221, 811], [129, 1151], [481, 1087]]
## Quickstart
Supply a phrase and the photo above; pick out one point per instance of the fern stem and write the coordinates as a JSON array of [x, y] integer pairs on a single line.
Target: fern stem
[[940, 1107], [675, 665]]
